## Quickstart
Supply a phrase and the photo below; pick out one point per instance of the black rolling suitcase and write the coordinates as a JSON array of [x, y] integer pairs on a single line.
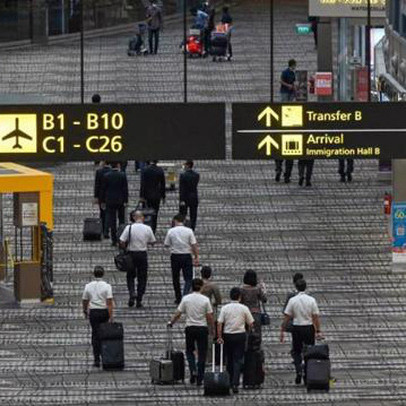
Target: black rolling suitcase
[[254, 369], [217, 383], [177, 358], [112, 347], [92, 229], [317, 367]]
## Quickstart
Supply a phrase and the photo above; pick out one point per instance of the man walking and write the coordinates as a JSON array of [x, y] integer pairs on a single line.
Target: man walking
[[199, 318], [305, 165], [183, 244], [97, 302], [135, 238], [152, 189], [188, 197], [231, 330], [104, 168], [345, 171], [114, 198], [304, 311], [154, 20]]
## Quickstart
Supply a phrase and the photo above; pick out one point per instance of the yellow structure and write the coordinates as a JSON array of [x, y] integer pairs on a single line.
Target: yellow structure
[[16, 178]]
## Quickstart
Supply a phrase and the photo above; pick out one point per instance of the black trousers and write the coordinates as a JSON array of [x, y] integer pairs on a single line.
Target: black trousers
[[140, 271], [154, 204], [112, 212], [234, 347], [288, 167], [301, 335], [153, 36], [97, 317], [199, 336], [341, 166], [104, 221], [181, 262], [192, 206], [308, 165]]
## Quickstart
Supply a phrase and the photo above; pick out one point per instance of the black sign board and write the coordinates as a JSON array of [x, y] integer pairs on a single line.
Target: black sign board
[[112, 132], [319, 130]]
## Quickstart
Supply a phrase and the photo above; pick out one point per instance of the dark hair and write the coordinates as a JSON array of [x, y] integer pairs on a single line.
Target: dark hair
[[205, 272], [235, 293], [115, 164], [301, 285], [250, 278], [189, 164], [197, 284], [193, 11], [96, 98], [180, 218], [225, 9], [154, 162], [297, 276], [98, 271], [291, 62]]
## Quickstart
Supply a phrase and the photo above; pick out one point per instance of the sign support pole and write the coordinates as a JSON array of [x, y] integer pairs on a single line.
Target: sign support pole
[[368, 48], [184, 51], [271, 25], [82, 62]]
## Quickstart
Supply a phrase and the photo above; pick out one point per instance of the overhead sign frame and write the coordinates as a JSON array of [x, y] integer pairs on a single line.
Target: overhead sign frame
[[346, 8]]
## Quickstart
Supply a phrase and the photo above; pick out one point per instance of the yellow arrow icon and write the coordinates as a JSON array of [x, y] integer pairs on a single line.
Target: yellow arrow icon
[[267, 142], [268, 113]]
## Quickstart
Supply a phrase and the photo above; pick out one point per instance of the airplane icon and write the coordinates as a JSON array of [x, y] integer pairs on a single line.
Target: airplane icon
[[17, 134]]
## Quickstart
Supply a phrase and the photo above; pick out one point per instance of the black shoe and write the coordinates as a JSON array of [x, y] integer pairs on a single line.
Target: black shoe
[[106, 236], [199, 382], [287, 180], [349, 177], [139, 305], [342, 178], [298, 379], [235, 389], [131, 303], [96, 364], [301, 180], [193, 378], [277, 177], [308, 183]]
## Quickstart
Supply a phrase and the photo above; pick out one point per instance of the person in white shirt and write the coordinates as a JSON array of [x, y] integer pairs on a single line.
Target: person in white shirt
[[97, 301], [135, 238], [305, 313], [199, 317], [183, 244], [231, 330]]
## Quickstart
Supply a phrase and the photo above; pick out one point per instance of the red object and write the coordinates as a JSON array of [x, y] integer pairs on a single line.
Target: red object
[[387, 203], [311, 85], [324, 84], [362, 84], [194, 45]]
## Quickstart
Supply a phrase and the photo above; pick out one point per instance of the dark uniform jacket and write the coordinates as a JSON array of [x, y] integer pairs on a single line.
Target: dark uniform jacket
[[114, 188], [152, 183], [188, 182], [98, 181]]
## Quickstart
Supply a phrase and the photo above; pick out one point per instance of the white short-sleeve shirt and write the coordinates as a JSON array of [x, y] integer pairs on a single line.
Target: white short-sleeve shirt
[[196, 306], [302, 307], [235, 316], [97, 293], [180, 239], [141, 236]]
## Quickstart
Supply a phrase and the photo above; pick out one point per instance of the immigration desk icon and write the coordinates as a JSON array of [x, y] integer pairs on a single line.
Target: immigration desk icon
[[18, 133], [292, 145]]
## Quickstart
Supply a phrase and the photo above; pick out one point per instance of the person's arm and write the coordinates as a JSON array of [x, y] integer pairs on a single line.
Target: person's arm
[[249, 320], [124, 237], [285, 321], [317, 326], [195, 251], [284, 83], [163, 187], [110, 309], [220, 339], [217, 295], [152, 239], [175, 318], [210, 323], [262, 295], [167, 241], [85, 304]]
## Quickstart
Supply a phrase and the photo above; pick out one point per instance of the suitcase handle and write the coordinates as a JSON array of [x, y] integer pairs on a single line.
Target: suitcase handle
[[214, 357], [169, 342]]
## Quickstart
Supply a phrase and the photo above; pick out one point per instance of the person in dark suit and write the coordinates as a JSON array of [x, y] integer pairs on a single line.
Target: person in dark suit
[[305, 164], [104, 168], [188, 197], [114, 198], [152, 189]]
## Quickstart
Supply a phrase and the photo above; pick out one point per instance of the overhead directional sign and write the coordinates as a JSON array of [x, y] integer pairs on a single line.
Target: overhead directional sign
[[112, 132], [319, 130], [346, 8]]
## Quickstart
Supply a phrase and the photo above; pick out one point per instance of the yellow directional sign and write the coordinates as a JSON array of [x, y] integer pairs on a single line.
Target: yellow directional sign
[[268, 113], [18, 133], [267, 142]]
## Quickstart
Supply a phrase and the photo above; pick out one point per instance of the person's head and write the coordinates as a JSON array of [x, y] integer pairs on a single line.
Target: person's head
[[98, 272], [197, 284], [189, 164], [154, 162], [96, 98], [205, 272], [225, 9], [153, 2], [178, 219], [292, 64], [250, 278], [115, 165], [235, 294], [297, 276], [136, 216], [193, 11], [301, 285]]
